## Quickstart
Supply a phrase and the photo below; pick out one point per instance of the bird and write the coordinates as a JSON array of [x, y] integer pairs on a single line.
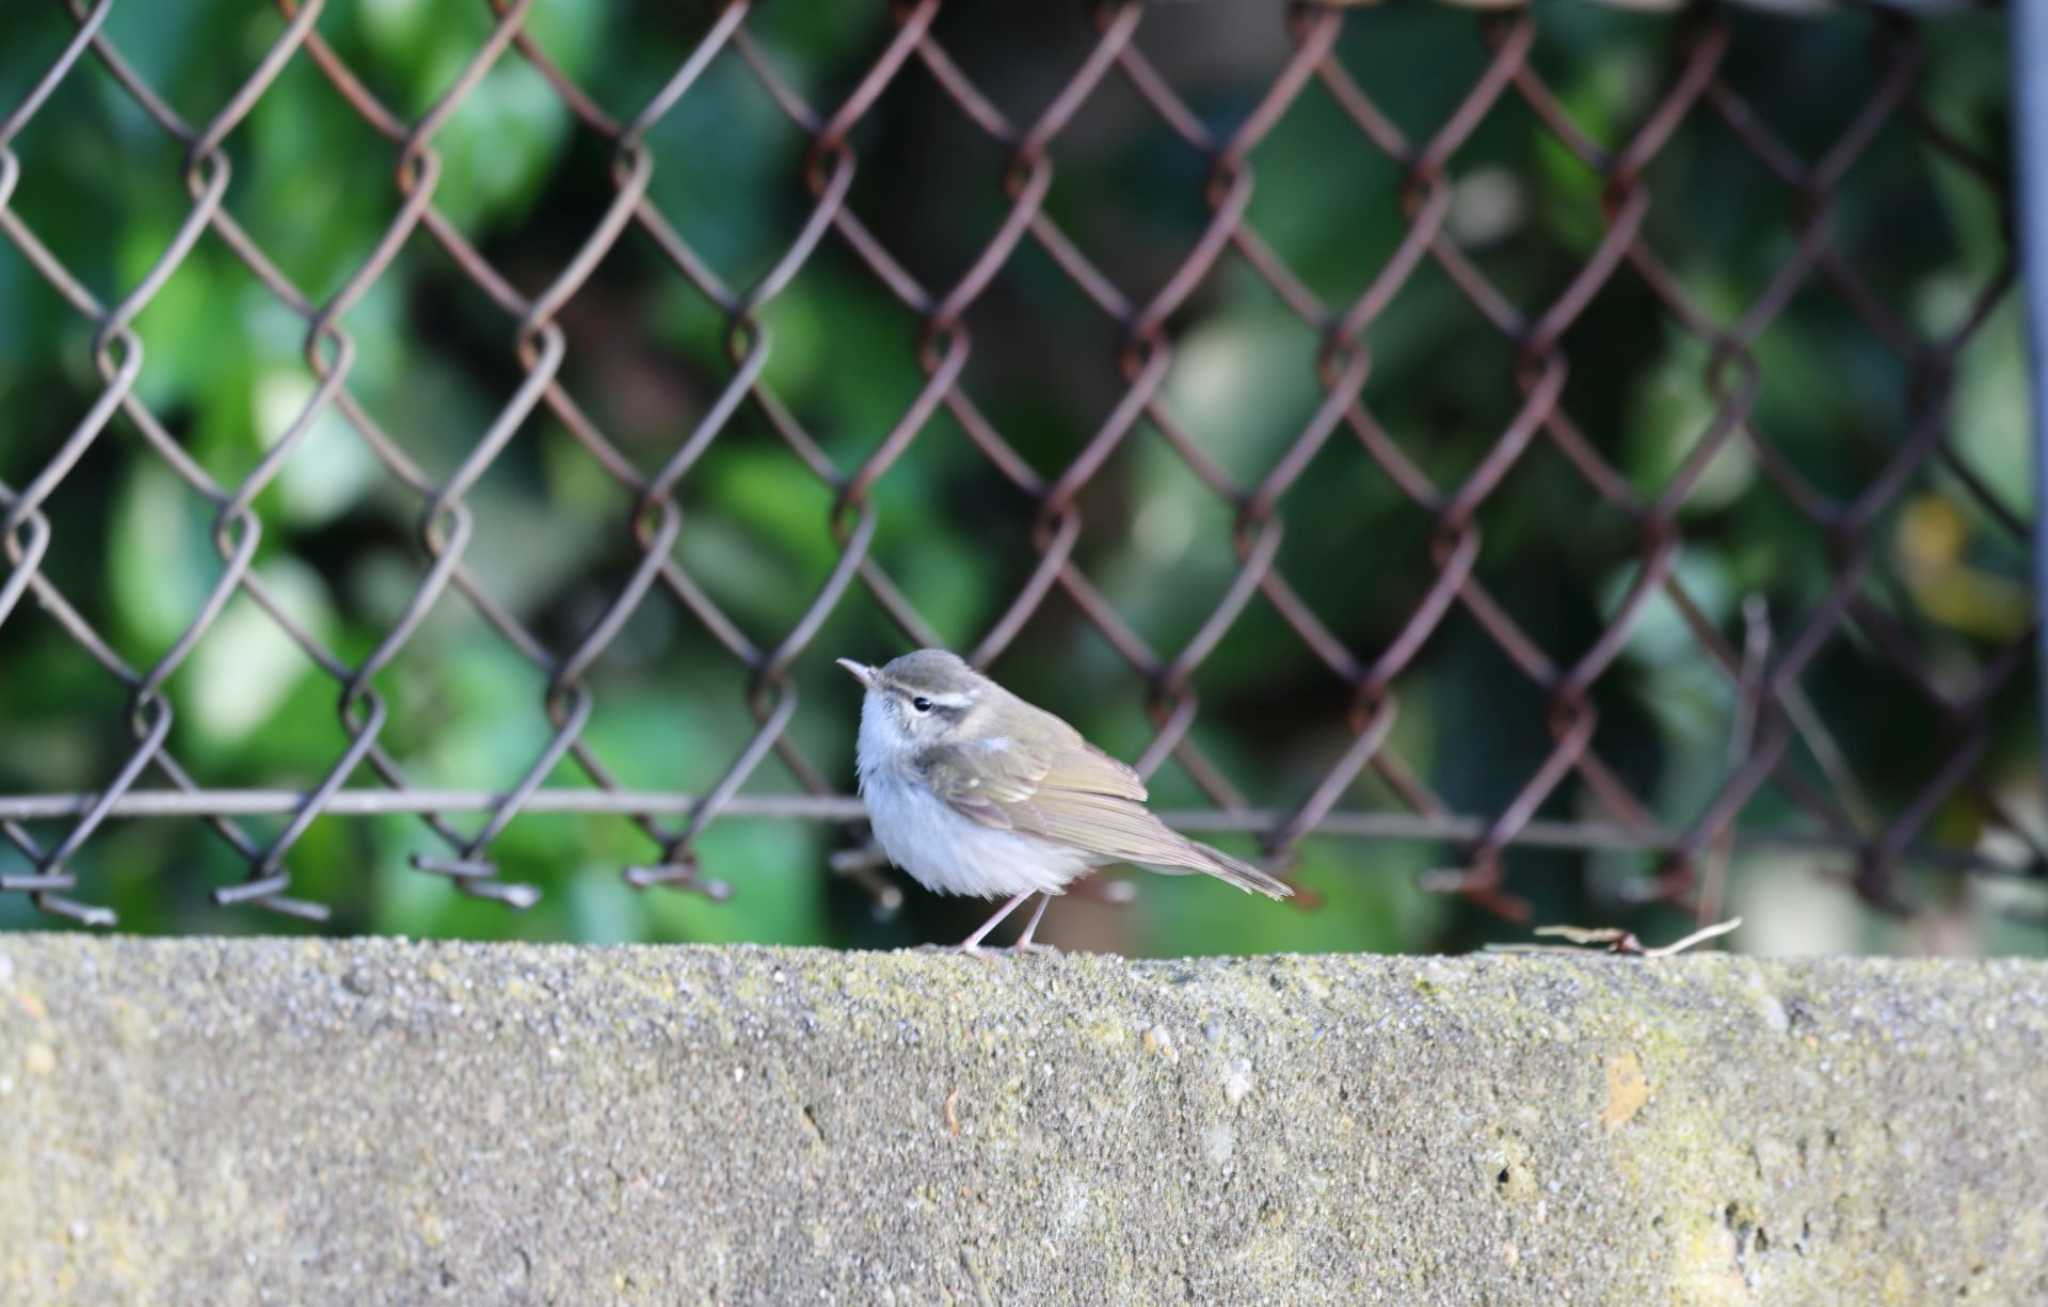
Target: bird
[[973, 791]]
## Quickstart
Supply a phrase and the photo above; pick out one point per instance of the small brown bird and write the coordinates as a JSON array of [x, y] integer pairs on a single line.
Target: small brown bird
[[974, 791]]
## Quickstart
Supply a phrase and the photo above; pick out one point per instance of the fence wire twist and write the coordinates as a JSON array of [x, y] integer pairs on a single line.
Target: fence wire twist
[[1765, 671]]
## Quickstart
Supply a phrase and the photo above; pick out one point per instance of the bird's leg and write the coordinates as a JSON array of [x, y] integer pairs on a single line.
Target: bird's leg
[[972, 944], [1025, 944]]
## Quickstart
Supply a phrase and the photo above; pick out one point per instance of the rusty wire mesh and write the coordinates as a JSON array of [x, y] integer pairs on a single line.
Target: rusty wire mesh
[[1781, 746]]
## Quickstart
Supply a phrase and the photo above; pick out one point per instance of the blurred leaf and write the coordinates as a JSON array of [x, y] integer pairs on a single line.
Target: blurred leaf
[[496, 150], [245, 665], [1990, 427], [329, 468], [162, 561], [1673, 413]]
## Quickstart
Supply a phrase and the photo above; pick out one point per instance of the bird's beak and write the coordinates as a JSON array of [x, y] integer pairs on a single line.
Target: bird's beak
[[859, 671]]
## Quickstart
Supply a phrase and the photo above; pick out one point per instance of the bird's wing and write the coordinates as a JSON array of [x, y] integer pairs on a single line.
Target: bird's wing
[[992, 767], [1068, 791], [977, 776], [1063, 789]]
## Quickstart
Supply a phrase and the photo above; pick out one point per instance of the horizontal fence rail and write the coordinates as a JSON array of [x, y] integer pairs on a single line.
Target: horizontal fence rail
[[1792, 778]]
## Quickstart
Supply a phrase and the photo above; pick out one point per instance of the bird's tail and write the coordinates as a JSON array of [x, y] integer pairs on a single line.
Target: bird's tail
[[1242, 874]]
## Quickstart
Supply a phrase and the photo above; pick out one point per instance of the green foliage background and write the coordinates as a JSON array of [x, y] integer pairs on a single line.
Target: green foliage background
[[103, 187]]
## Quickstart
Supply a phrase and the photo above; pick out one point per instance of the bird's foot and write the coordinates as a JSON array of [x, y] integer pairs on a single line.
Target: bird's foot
[[986, 951], [989, 951]]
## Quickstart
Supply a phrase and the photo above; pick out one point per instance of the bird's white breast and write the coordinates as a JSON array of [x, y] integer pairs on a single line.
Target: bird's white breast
[[952, 854], [944, 851]]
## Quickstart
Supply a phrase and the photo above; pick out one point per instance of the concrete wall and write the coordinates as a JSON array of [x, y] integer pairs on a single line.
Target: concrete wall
[[379, 1122]]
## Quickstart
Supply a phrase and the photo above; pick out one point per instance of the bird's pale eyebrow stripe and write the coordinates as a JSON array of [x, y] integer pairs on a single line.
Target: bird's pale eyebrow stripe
[[953, 702]]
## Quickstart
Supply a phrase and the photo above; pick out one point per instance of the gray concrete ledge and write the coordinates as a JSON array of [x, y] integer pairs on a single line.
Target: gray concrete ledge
[[380, 1122]]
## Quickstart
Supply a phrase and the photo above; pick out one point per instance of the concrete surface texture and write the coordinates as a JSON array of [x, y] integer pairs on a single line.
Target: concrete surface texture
[[367, 1121]]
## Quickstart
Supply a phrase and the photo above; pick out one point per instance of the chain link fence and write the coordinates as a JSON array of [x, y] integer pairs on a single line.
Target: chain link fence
[[1379, 557]]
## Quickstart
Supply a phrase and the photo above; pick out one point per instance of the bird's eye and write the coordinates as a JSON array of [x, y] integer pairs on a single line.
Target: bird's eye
[[921, 703]]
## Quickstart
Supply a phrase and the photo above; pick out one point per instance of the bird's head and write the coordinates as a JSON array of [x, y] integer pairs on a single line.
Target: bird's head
[[917, 700]]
